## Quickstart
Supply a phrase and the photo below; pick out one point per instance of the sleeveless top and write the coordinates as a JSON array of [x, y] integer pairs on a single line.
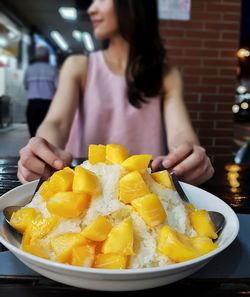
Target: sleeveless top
[[105, 115]]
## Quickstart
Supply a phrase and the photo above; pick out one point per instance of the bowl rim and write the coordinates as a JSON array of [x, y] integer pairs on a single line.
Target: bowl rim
[[171, 267]]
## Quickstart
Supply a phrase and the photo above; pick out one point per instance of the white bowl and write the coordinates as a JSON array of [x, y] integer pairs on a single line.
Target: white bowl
[[118, 280]]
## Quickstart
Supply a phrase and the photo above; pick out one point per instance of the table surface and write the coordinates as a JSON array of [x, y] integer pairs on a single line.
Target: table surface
[[226, 275]]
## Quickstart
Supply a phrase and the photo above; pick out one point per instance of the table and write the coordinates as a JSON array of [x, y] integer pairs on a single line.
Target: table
[[226, 275]]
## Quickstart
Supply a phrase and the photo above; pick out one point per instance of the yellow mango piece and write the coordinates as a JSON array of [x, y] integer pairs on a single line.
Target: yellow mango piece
[[132, 186], [137, 162], [163, 178], [97, 153], [22, 218], [67, 168], [110, 261], [45, 191], [63, 244], [203, 244], [86, 181], [37, 249], [68, 204], [38, 228], [150, 209], [116, 153], [83, 256], [176, 246], [120, 239], [61, 180], [202, 223], [98, 230]]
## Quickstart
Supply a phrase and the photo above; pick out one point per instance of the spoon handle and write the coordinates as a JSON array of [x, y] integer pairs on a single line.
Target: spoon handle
[[41, 180], [178, 187]]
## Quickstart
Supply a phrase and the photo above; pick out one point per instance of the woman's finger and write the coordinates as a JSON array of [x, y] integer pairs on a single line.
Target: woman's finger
[[155, 165], [194, 160], [177, 155], [25, 175], [45, 152]]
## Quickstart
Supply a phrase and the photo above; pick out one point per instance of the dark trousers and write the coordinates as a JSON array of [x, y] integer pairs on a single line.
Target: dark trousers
[[35, 113]]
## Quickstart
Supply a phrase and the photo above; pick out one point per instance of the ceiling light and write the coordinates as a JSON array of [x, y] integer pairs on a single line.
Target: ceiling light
[[77, 35], [68, 13], [59, 40], [88, 41]]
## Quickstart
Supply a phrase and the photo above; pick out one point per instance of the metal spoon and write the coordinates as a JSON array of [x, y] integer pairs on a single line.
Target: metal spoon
[[217, 218], [9, 210]]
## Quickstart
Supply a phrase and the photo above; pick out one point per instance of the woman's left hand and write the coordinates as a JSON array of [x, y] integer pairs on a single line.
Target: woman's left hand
[[190, 163]]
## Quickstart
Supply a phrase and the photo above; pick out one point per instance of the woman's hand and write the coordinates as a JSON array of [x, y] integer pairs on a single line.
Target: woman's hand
[[190, 163], [39, 158]]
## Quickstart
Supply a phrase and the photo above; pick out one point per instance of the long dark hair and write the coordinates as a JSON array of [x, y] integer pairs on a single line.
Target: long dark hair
[[138, 25]]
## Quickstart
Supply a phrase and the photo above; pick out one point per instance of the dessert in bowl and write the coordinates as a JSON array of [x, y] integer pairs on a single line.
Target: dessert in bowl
[[111, 224]]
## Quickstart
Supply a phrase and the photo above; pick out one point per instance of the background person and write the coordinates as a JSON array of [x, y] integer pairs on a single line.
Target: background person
[[122, 94], [40, 81]]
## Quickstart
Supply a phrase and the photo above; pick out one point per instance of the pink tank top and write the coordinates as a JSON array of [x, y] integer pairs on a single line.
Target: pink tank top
[[105, 116]]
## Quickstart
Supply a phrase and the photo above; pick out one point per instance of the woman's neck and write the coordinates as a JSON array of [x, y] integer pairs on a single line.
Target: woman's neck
[[116, 55]]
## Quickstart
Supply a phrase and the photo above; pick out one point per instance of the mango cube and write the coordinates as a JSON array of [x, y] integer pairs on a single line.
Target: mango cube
[[110, 261], [176, 246], [45, 191], [36, 248], [68, 204], [97, 153], [132, 186], [203, 244], [98, 230], [61, 181], [63, 244], [86, 181], [202, 223], [120, 239], [38, 228], [137, 162], [150, 209], [22, 218], [163, 178], [116, 153], [83, 256]]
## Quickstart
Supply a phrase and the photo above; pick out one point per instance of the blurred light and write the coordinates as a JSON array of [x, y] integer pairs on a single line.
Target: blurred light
[[68, 13], [11, 35], [243, 53], [233, 167], [235, 108], [77, 35], [241, 89], [244, 105], [59, 40], [88, 41], [3, 42]]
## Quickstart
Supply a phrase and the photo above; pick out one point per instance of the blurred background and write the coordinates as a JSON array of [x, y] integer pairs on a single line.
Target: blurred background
[[208, 40]]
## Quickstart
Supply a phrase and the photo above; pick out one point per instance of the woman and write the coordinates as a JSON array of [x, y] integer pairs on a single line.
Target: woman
[[113, 96]]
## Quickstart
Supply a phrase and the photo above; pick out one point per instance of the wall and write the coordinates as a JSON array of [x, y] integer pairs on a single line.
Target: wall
[[204, 50]]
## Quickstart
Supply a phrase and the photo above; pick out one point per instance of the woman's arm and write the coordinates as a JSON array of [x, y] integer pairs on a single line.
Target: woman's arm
[[186, 156], [57, 124], [47, 148]]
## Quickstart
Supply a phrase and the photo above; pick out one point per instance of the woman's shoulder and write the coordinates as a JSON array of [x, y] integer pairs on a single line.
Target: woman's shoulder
[[75, 65]]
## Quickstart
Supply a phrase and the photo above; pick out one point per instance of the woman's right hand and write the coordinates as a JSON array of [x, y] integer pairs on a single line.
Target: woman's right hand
[[37, 157]]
